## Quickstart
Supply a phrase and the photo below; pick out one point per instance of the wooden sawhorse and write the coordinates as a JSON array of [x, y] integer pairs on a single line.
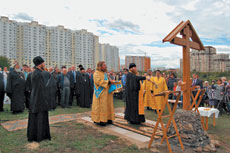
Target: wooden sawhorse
[[171, 119], [196, 105]]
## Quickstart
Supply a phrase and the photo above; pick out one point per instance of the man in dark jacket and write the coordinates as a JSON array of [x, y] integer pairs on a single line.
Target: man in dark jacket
[[15, 89], [2, 91], [64, 85], [197, 82], [73, 80], [38, 122], [55, 74], [170, 83], [90, 74]]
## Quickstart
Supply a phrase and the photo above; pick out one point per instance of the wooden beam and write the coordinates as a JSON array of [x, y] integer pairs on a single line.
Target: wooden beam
[[175, 31], [183, 42], [189, 32]]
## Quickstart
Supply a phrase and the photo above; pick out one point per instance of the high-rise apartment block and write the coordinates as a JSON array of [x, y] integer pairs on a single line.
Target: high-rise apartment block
[[208, 60], [59, 46], [109, 54], [143, 63]]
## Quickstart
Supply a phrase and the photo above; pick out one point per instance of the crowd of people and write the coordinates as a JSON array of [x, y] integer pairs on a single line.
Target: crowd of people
[[40, 90], [217, 94], [62, 86], [65, 84]]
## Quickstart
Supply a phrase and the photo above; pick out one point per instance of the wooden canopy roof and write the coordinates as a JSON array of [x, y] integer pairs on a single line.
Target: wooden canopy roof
[[172, 36]]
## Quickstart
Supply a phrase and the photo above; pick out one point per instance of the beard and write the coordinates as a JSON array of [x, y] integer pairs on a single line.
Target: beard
[[43, 67], [104, 70]]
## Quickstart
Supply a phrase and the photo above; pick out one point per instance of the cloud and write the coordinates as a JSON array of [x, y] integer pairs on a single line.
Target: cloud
[[122, 25], [99, 22], [160, 56], [118, 25], [213, 42], [67, 7], [211, 19], [222, 49], [158, 44], [136, 29], [23, 16], [103, 32]]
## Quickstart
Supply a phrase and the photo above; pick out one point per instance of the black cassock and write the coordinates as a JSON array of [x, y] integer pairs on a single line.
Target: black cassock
[[84, 89], [132, 91], [28, 89], [15, 89], [51, 89], [78, 79], [38, 122]]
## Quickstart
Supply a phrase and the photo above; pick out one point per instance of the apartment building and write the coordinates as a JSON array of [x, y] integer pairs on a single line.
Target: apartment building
[[109, 54], [143, 63], [59, 46], [208, 60]]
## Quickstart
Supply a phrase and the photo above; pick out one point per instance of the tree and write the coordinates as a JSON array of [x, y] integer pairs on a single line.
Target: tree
[[4, 62]]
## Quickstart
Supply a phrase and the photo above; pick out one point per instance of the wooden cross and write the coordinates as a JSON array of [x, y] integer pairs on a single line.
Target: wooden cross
[[189, 39]]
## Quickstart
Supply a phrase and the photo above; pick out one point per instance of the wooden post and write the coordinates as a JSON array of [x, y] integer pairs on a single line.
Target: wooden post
[[186, 68]]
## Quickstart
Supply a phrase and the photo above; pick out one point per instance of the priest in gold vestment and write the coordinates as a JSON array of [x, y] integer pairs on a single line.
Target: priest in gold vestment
[[102, 107], [160, 86], [148, 86]]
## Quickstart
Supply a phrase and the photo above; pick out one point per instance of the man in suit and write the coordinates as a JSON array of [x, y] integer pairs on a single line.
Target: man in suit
[[73, 79], [196, 82], [26, 73], [90, 73], [64, 84], [77, 86]]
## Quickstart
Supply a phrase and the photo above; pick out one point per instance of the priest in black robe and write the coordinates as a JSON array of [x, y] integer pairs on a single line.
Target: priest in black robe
[[51, 89], [84, 89], [15, 89], [132, 96], [28, 87], [38, 122], [78, 76]]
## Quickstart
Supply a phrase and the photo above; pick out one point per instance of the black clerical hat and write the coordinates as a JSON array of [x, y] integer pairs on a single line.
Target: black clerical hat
[[131, 65], [38, 60]]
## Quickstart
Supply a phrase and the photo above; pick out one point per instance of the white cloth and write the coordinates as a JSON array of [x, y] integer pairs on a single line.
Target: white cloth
[[6, 99], [208, 113]]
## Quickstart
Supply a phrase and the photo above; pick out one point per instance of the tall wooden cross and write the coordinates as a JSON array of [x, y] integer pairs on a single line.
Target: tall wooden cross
[[189, 39]]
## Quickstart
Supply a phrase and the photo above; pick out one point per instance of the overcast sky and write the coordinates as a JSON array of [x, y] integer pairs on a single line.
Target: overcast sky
[[135, 26]]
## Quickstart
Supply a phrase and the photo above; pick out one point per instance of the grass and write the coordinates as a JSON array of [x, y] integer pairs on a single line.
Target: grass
[[8, 116], [75, 137], [67, 137]]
